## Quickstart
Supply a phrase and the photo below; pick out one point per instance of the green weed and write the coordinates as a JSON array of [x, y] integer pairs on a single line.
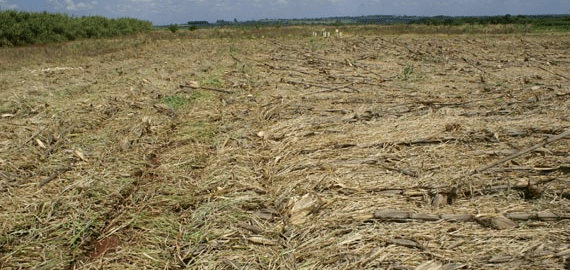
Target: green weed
[[316, 44], [173, 28], [407, 72], [213, 81], [174, 102], [198, 131]]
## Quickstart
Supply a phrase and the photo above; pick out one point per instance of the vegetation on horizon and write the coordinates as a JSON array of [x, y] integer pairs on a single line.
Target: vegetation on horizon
[[538, 22], [19, 28]]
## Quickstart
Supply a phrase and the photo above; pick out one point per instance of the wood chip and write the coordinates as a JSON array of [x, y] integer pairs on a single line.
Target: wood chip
[[563, 253], [547, 216], [406, 243], [392, 214], [521, 216], [261, 241], [498, 222], [424, 217]]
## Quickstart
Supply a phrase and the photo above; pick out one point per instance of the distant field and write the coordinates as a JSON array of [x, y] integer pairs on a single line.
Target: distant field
[[245, 148], [20, 28]]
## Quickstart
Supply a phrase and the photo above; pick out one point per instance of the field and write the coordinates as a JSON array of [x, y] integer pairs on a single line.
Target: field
[[274, 149]]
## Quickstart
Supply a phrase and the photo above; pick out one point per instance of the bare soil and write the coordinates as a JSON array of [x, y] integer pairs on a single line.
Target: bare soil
[[293, 152]]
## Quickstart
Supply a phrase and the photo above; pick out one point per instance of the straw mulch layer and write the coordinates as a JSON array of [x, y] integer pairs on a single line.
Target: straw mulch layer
[[293, 153]]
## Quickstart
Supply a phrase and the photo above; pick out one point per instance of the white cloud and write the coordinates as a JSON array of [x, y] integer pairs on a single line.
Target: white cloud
[[6, 5], [71, 5], [178, 11]]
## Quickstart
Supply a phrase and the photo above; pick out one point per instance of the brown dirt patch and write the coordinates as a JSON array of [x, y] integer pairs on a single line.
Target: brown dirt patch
[[102, 246]]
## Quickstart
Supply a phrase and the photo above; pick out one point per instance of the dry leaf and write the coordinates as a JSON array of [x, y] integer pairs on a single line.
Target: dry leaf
[[125, 144], [406, 243], [147, 121], [161, 107], [429, 265], [193, 84], [41, 144], [439, 200], [498, 222], [262, 134], [79, 154], [302, 208]]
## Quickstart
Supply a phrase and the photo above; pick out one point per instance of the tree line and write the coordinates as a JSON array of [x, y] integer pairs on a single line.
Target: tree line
[[560, 22], [557, 22]]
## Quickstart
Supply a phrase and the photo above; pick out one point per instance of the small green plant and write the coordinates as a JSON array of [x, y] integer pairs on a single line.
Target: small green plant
[[215, 82], [80, 231], [316, 45], [193, 27], [173, 28], [174, 102], [407, 72], [198, 131], [202, 96]]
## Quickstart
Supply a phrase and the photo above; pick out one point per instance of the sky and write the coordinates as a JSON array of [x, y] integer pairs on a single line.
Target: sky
[[162, 12]]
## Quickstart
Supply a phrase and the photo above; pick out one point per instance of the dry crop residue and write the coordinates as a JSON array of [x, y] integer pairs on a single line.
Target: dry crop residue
[[340, 153]]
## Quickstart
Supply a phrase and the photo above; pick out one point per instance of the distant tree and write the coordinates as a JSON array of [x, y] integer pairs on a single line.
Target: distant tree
[[198, 23], [222, 22], [173, 28]]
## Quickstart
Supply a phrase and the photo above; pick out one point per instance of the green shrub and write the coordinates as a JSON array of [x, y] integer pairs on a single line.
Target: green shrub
[[173, 28], [23, 28]]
